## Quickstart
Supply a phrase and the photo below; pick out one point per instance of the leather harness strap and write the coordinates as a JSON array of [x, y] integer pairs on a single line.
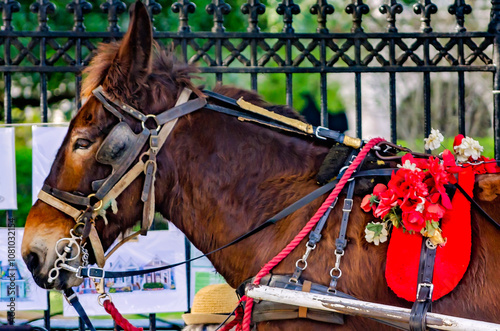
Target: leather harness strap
[[72, 299], [306, 287], [423, 302]]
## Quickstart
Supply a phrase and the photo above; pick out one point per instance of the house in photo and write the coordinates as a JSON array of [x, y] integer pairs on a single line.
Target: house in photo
[[124, 284], [86, 287], [160, 280]]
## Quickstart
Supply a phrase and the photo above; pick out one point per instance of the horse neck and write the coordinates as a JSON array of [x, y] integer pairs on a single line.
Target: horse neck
[[227, 177]]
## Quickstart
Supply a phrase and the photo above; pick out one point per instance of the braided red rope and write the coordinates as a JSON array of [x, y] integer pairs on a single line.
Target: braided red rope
[[237, 321], [118, 318], [307, 228]]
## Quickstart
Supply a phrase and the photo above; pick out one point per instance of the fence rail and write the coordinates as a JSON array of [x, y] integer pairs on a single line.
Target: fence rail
[[254, 52]]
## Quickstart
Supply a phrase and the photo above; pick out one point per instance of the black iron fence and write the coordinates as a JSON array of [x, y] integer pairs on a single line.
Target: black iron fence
[[253, 52]]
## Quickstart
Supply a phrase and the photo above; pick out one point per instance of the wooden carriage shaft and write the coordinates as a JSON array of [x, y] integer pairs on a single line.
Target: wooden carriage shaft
[[363, 308]]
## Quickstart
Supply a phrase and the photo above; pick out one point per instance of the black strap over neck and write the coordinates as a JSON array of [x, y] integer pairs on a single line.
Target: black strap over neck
[[73, 300], [478, 207], [100, 273]]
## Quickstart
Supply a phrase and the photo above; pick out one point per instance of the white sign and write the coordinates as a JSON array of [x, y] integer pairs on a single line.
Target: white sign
[[16, 282], [46, 143], [8, 191], [163, 291]]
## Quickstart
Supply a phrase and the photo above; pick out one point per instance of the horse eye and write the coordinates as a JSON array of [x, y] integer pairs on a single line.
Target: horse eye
[[82, 144]]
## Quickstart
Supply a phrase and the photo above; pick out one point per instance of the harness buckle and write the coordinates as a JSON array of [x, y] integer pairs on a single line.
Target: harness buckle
[[420, 295], [316, 132], [347, 205], [96, 273], [78, 273]]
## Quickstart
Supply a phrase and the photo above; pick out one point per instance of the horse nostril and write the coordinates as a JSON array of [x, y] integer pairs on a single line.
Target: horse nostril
[[32, 261]]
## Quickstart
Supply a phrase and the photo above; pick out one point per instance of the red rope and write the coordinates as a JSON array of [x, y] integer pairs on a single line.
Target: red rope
[[307, 228], [118, 318], [237, 319]]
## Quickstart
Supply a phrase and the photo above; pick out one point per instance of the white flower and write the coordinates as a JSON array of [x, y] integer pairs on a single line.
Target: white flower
[[468, 148], [377, 234], [408, 165], [434, 140], [421, 205]]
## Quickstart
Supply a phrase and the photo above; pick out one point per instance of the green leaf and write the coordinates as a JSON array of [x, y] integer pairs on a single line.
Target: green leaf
[[377, 228], [435, 225]]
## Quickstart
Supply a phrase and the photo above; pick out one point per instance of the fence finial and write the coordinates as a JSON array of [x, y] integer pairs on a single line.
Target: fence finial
[[253, 8], [218, 8], [288, 8], [79, 8], [43, 9], [184, 8], [425, 8], [460, 9], [154, 8], [357, 8], [113, 8], [391, 9], [8, 7], [322, 8]]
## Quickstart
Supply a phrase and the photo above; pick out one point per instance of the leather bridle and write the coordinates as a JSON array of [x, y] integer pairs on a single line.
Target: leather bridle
[[90, 207]]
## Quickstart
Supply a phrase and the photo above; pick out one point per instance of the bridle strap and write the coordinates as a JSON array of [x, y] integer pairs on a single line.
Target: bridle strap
[[59, 204], [99, 94], [180, 109], [66, 196]]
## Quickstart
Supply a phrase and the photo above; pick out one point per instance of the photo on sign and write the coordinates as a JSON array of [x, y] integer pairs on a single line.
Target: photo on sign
[[161, 291]]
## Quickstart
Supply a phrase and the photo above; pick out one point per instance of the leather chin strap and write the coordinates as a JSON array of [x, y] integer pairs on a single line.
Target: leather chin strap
[[63, 201]]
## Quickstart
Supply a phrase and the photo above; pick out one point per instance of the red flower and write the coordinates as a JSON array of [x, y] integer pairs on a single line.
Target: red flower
[[458, 140], [413, 221], [366, 204], [434, 212], [387, 200], [378, 189]]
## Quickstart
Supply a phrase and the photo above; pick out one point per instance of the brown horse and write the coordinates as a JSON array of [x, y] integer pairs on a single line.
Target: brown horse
[[218, 178]]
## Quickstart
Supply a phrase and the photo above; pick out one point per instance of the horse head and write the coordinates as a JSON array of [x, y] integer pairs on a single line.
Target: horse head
[[126, 72]]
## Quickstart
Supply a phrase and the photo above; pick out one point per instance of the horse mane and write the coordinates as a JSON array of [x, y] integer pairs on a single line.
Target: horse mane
[[167, 74]]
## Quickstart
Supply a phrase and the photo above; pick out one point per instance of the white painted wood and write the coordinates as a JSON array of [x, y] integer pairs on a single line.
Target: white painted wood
[[363, 308]]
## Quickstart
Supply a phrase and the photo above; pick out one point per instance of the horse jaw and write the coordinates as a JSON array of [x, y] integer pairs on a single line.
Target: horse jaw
[[44, 227]]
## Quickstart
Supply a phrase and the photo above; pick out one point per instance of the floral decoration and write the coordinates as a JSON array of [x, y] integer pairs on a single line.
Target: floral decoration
[[415, 198]]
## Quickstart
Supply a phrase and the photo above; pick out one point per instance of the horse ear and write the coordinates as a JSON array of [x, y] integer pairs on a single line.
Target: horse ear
[[134, 55]]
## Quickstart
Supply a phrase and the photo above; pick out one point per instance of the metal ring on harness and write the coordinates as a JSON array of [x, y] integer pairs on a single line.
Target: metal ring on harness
[[336, 269], [158, 126], [98, 202], [305, 264], [103, 297], [77, 225]]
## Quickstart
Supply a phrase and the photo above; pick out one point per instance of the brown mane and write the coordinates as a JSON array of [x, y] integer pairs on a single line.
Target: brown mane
[[167, 74]]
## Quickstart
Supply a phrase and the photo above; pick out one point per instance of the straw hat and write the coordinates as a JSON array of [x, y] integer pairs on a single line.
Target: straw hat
[[211, 305]]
